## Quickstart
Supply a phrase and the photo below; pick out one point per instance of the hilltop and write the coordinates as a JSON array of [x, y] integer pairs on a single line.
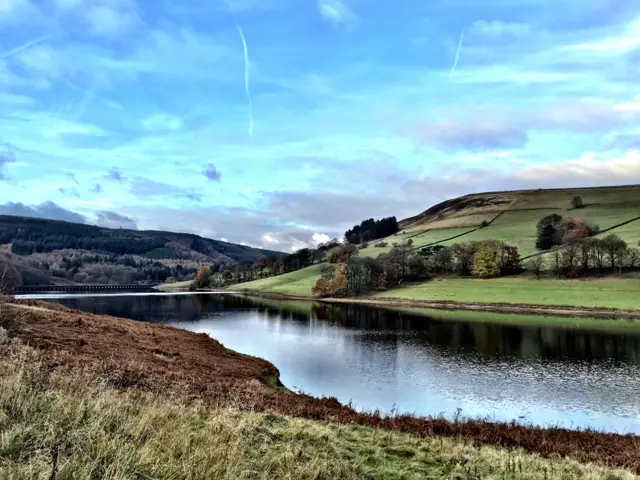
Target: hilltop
[[45, 251]]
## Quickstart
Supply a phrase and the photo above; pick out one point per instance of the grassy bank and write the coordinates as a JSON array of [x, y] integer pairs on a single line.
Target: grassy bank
[[75, 427], [173, 404], [298, 283], [608, 293]]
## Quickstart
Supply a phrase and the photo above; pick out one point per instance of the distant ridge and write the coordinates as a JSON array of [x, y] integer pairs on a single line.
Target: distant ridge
[[37, 235]]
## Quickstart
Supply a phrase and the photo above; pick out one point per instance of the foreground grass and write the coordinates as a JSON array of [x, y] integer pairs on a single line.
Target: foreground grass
[[66, 426], [609, 292]]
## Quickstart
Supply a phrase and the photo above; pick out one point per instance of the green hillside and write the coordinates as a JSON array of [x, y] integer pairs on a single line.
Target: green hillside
[[510, 217], [298, 283]]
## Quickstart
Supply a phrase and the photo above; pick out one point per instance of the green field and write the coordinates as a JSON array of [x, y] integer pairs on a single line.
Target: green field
[[298, 283], [419, 239], [612, 293]]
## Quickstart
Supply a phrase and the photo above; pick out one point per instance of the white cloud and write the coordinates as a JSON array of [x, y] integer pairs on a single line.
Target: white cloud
[[622, 43], [18, 11], [320, 238], [269, 239], [284, 241], [591, 167], [105, 20], [336, 11]]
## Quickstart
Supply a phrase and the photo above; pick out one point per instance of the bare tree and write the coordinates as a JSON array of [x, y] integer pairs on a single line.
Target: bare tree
[[585, 254], [9, 277], [614, 246], [622, 254], [570, 255], [633, 257], [557, 262], [535, 264]]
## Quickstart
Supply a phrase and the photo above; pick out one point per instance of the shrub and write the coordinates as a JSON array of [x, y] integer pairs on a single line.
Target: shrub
[[577, 202], [381, 245]]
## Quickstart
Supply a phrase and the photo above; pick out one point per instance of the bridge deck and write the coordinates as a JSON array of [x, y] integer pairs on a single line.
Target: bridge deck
[[79, 288]]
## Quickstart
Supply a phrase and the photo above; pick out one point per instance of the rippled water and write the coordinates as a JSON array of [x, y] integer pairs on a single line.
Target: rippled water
[[383, 359]]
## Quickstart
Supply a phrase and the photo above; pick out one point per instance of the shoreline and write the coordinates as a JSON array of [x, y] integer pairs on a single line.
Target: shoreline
[[568, 311], [170, 361]]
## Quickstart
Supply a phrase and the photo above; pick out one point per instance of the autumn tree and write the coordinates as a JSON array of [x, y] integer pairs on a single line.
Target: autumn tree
[[575, 229], [203, 276], [486, 262], [335, 286], [342, 253]]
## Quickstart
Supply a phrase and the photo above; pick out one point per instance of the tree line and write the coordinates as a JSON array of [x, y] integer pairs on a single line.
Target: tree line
[[347, 274], [222, 274], [575, 251], [371, 229], [584, 256]]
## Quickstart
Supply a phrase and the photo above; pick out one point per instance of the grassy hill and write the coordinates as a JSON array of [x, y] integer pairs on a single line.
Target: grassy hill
[[511, 217]]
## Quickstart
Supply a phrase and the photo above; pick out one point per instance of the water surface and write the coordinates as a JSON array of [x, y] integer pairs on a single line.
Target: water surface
[[568, 375]]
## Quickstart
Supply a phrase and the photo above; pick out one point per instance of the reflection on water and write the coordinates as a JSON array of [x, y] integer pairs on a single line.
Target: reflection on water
[[384, 359]]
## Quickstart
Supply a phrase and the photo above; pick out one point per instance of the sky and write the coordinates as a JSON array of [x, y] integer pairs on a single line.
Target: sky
[[282, 123]]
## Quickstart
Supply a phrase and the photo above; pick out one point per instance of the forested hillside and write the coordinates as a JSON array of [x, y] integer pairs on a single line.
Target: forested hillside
[[44, 251]]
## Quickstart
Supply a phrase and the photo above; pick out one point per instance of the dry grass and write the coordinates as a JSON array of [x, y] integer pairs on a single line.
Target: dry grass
[[133, 397], [72, 426]]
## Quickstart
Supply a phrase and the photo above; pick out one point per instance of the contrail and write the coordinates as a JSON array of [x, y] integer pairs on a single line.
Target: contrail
[[246, 72], [24, 46], [455, 64]]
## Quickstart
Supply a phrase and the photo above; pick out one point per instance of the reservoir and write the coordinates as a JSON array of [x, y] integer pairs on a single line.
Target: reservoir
[[536, 370]]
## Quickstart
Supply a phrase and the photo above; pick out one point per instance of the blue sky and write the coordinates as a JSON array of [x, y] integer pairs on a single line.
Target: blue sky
[[137, 112]]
